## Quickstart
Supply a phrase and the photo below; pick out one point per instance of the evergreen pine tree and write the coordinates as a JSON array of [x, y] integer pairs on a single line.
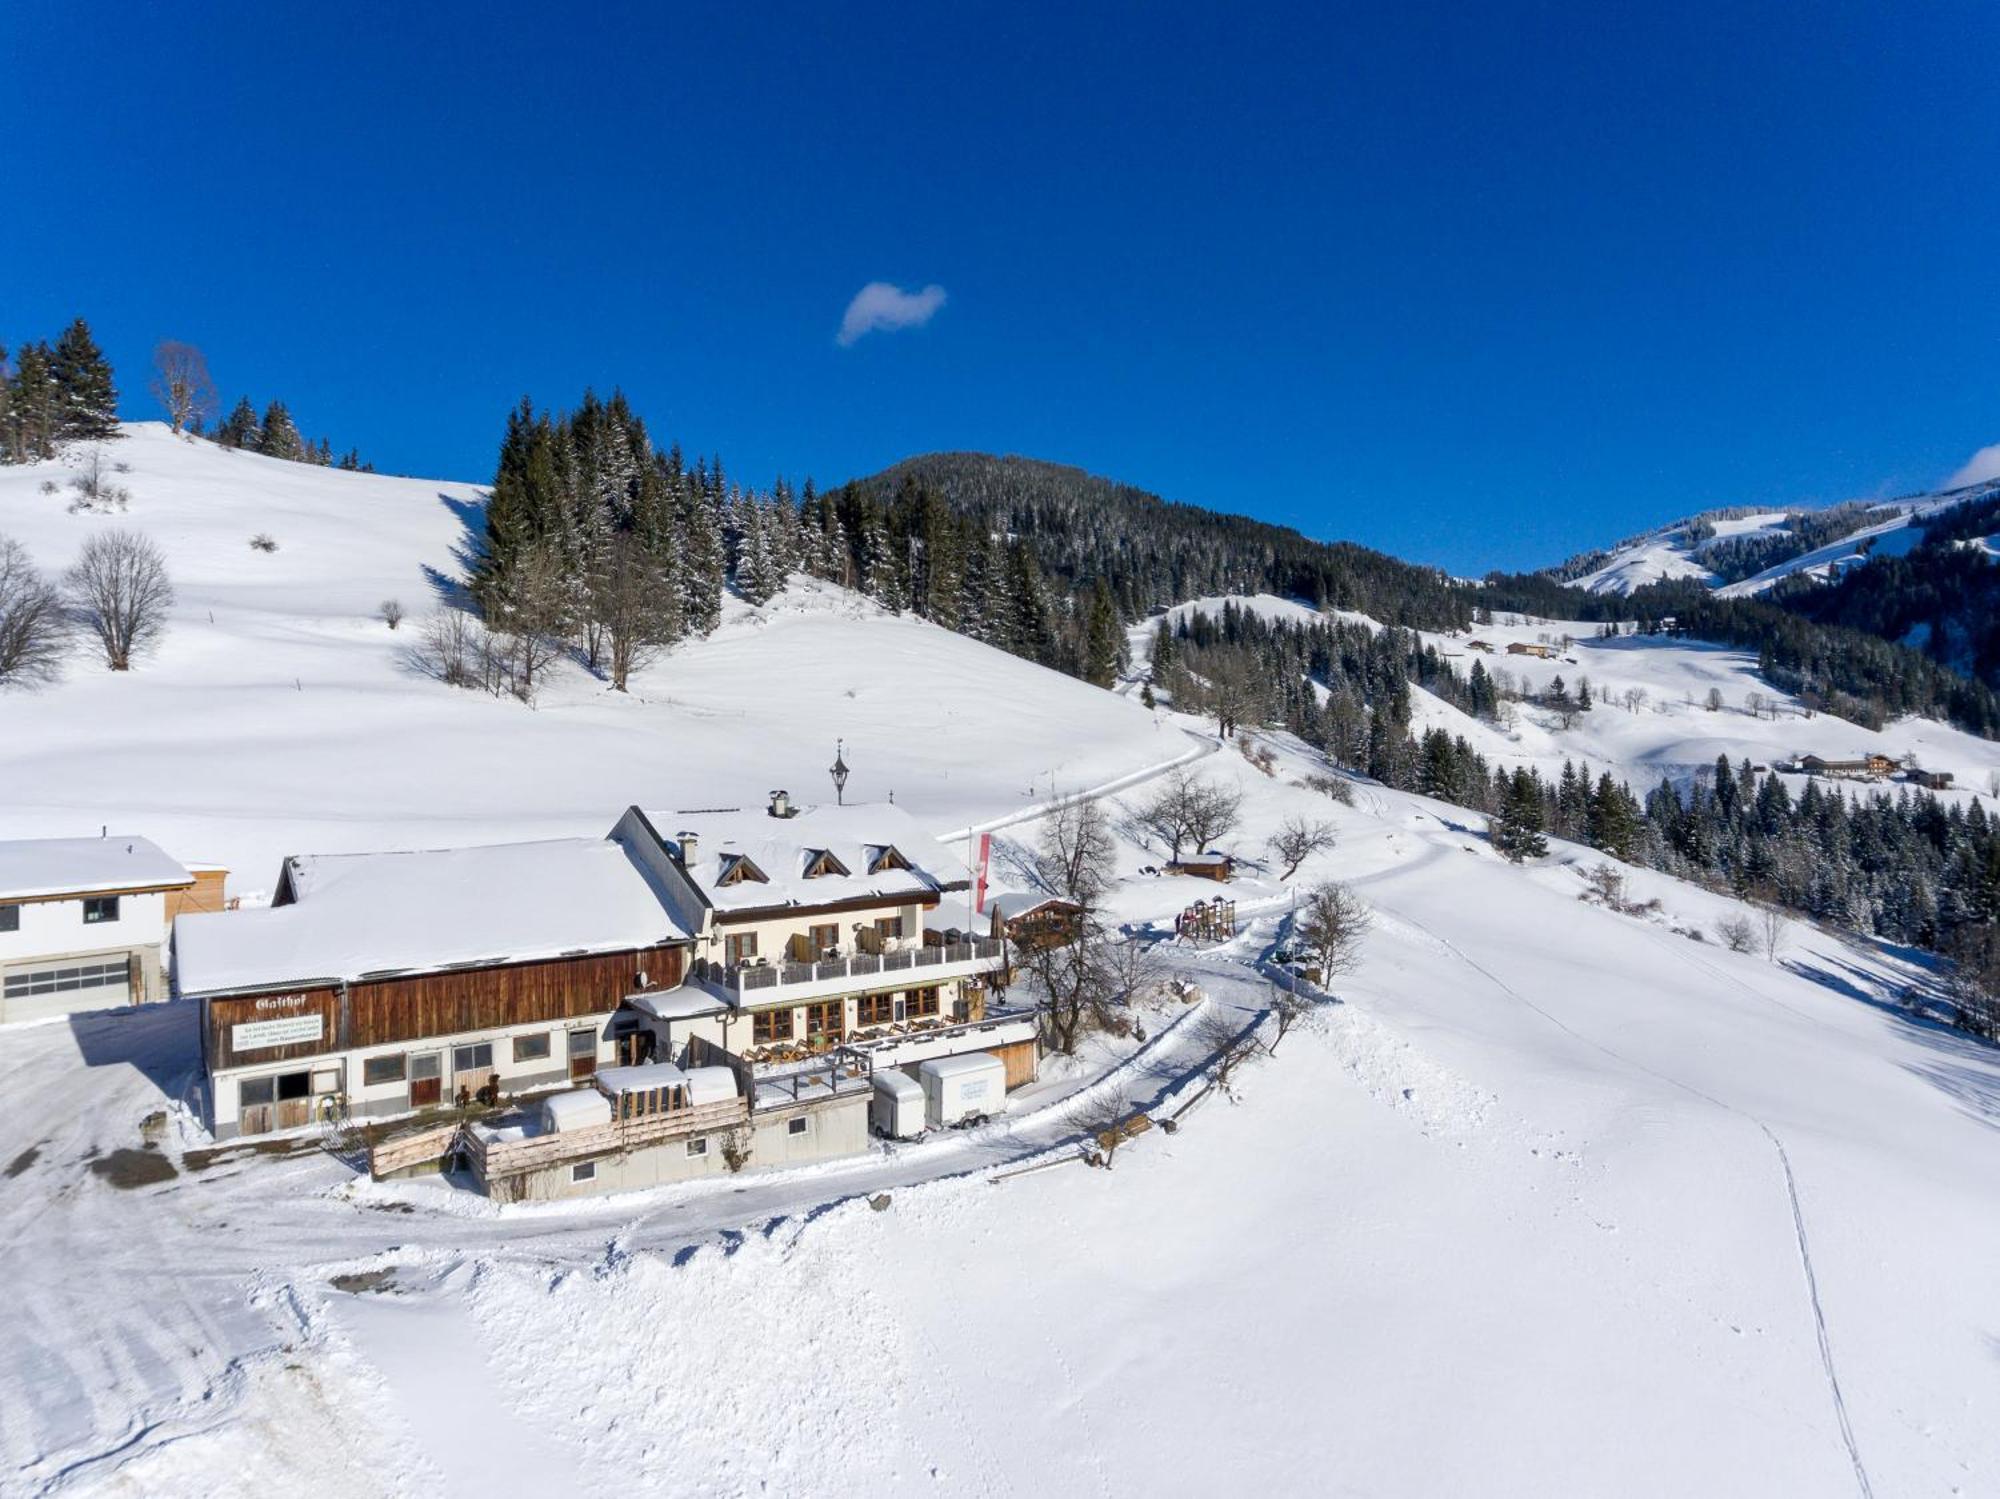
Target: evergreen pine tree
[[87, 399], [239, 429], [1517, 830], [277, 437], [1104, 639]]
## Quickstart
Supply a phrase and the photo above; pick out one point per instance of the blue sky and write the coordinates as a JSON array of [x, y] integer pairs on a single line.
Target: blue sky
[[1479, 285]]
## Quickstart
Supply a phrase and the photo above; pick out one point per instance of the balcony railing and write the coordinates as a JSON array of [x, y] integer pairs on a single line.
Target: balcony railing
[[745, 980]]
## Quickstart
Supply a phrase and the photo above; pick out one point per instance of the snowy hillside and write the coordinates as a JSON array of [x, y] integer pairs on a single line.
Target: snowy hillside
[[1651, 720], [1554, 1199], [1687, 548], [281, 716]]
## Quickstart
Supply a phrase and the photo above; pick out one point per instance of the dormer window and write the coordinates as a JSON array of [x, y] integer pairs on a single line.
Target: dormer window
[[736, 868], [820, 861], [886, 857]]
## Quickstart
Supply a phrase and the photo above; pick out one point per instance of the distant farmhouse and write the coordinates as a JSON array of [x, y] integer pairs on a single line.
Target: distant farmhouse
[[1531, 648], [1868, 768], [84, 921]]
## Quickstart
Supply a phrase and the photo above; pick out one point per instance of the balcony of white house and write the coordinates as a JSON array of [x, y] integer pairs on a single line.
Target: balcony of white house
[[762, 982]]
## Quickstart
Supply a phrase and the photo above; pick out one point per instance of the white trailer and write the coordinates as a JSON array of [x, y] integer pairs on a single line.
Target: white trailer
[[959, 1088], [897, 1109]]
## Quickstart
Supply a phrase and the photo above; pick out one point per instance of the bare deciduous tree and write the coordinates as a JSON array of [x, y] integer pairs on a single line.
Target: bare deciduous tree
[[1089, 984], [1772, 929], [1229, 1044], [1290, 1009], [1297, 840], [181, 384], [120, 591], [531, 611], [95, 490], [1188, 809], [1330, 925], [1074, 859], [391, 612], [446, 648], [1737, 934], [34, 631], [1102, 1117], [633, 606]]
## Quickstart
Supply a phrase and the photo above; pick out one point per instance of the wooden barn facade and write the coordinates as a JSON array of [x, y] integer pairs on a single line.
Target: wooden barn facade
[[391, 982]]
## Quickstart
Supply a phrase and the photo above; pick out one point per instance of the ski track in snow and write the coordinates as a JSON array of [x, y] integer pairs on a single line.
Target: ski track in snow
[[1802, 1243]]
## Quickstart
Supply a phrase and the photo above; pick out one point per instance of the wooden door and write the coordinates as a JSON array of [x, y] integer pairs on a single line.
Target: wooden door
[[582, 1047], [426, 1079], [293, 1112], [258, 1119]]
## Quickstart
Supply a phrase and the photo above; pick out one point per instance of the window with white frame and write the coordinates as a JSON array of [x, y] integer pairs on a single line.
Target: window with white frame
[[698, 1145], [583, 1171], [796, 1126], [533, 1048], [375, 1071]]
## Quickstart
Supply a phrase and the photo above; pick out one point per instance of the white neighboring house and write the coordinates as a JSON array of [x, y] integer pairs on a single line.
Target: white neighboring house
[[83, 922]]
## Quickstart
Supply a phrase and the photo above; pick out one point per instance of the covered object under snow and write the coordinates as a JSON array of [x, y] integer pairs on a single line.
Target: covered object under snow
[[576, 1110]]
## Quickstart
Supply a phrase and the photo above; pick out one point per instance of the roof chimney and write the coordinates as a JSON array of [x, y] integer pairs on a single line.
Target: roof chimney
[[690, 847], [781, 804]]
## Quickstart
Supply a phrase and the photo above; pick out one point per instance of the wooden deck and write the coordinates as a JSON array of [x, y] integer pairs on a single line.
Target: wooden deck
[[492, 1159]]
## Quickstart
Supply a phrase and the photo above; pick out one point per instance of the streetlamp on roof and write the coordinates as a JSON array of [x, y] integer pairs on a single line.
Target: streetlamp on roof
[[839, 773]]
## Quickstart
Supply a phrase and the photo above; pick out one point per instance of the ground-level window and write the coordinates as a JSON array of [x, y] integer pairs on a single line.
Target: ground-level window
[[378, 1070], [583, 1043], [10, 918], [424, 1066], [274, 1089], [875, 1009], [475, 1058], [739, 946], [827, 1018], [533, 1048], [771, 1025], [68, 979], [698, 1146], [796, 1126], [100, 908], [920, 1002], [583, 1171]]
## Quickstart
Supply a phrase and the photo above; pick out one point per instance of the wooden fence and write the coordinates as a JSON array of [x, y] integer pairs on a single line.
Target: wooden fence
[[400, 1152], [498, 1158]]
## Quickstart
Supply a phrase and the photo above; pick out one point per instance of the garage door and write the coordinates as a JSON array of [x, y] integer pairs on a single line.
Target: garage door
[[97, 984]]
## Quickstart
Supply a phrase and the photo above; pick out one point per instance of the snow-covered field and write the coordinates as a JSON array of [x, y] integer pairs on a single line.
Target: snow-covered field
[[1554, 1200]]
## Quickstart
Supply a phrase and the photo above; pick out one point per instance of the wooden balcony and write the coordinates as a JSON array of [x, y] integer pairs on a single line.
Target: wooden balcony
[[763, 983]]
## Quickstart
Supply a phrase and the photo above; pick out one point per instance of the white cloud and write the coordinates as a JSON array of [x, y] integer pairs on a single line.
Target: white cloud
[[879, 306], [1981, 466]]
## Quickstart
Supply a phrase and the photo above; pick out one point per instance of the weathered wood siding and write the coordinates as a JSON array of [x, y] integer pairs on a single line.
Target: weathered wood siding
[[443, 1004], [224, 1015]]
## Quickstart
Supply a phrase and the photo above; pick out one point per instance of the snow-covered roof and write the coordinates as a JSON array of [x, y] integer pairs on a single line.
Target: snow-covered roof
[[749, 860], [31, 867], [677, 1004], [1012, 904], [358, 916], [641, 1079]]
